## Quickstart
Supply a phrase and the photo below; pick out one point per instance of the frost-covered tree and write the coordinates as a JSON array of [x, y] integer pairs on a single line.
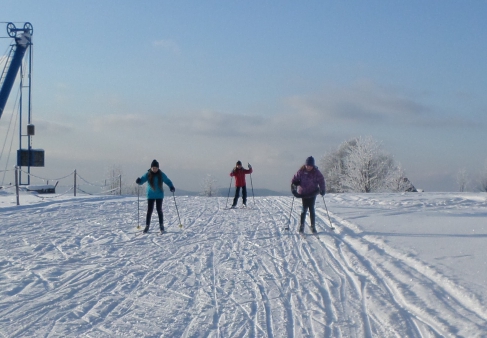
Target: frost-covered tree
[[366, 167], [462, 180], [483, 179], [332, 167], [209, 186], [113, 181], [360, 165], [133, 189], [397, 181]]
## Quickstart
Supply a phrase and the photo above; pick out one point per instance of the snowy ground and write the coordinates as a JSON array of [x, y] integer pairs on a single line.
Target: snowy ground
[[410, 265]]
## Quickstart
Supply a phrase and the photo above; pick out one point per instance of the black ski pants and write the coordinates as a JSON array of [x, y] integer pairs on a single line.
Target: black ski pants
[[308, 203], [237, 195], [150, 209]]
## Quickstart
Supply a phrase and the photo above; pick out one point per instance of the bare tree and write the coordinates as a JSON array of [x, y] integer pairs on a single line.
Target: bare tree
[[209, 186], [113, 181], [483, 179], [133, 189], [462, 180]]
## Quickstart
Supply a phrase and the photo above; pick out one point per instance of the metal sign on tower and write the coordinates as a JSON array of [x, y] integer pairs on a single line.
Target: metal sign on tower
[[21, 48]]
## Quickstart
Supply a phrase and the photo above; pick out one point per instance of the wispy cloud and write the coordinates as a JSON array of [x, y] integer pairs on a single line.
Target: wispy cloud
[[118, 122], [53, 127], [169, 45], [366, 103]]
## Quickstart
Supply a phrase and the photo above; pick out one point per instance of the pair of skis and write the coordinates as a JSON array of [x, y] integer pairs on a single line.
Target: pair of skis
[[141, 232], [329, 219], [235, 208], [138, 215]]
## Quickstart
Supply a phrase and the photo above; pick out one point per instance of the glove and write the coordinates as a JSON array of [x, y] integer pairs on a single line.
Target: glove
[[137, 180], [172, 189], [248, 164], [295, 191], [322, 192]]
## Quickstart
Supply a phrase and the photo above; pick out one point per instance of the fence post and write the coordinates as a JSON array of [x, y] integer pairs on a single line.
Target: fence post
[[17, 184], [120, 185], [74, 182]]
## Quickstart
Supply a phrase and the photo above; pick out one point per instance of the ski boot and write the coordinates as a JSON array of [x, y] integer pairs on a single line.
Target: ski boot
[[161, 227], [313, 229], [301, 229], [146, 230]]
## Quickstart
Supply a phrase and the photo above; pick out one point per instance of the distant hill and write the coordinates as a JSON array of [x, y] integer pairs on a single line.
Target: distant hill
[[257, 192], [223, 192]]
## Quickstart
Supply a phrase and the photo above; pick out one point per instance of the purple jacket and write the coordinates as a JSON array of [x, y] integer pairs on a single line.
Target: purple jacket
[[309, 183]]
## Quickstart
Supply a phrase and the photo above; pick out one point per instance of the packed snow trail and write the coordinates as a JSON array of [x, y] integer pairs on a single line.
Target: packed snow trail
[[77, 268]]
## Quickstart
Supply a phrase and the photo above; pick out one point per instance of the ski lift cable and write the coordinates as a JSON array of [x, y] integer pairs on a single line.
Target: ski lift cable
[[10, 150], [4, 62], [6, 135], [12, 137], [6, 54]]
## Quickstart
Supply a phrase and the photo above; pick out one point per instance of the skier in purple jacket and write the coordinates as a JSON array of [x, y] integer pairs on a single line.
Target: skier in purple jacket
[[306, 184]]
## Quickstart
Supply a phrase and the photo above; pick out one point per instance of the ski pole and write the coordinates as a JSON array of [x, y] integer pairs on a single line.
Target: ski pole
[[329, 219], [252, 185], [289, 223], [180, 224], [138, 207], [231, 178]]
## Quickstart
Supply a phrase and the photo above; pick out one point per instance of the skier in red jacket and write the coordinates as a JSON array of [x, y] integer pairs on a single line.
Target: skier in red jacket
[[239, 173]]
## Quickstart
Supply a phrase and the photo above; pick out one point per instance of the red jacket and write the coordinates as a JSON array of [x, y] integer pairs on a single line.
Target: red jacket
[[239, 175]]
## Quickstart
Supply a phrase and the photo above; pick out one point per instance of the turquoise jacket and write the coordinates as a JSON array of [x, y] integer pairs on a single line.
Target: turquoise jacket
[[155, 193]]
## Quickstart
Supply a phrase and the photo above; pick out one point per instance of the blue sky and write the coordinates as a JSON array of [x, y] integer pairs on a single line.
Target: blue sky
[[199, 85]]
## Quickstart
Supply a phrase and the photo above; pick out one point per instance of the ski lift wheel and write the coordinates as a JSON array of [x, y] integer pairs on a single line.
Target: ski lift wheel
[[28, 27], [11, 30]]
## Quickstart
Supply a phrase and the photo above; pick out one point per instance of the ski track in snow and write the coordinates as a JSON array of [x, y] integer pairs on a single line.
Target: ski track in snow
[[79, 268]]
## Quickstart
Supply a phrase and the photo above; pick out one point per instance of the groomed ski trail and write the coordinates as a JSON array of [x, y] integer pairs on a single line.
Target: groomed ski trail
[[77, 269]]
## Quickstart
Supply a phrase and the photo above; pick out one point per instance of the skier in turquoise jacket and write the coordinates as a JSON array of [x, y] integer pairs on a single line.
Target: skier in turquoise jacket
[[155, 193]]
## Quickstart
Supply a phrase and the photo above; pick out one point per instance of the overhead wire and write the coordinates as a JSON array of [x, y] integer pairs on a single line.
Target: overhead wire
[[12, 137]]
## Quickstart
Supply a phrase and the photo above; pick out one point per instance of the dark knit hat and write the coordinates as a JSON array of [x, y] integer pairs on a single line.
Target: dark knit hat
[[154, 164], [310, 161], [239, 163]]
